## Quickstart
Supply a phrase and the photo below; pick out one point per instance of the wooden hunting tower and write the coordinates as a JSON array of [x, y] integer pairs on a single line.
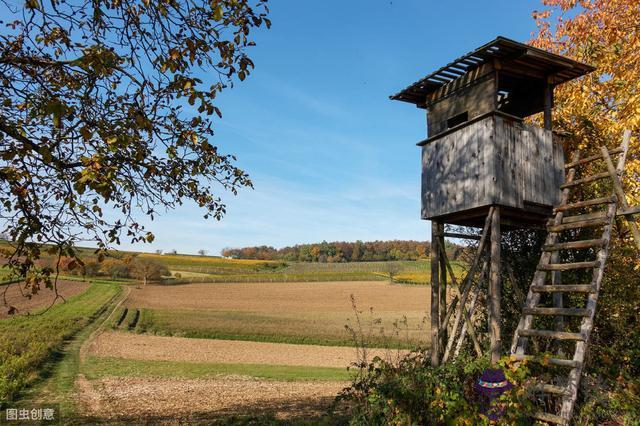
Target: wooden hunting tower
[[480, 163], [479, 152]]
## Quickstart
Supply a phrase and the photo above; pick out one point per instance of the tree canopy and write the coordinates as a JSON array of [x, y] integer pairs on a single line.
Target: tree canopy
[[597, 108], [342, 251], [106, 116]]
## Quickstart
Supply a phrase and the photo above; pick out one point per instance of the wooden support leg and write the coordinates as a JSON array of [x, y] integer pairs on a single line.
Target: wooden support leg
[[495, 289], [435, 294], [443, 286]]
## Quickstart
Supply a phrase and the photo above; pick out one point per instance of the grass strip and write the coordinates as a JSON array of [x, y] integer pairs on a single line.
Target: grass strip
[[99, 367], [60, 372], [31, 344]]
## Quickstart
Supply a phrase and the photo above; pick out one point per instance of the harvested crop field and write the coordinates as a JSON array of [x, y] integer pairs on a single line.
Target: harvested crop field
[[144, 347], [13, 295], [278, 297], [308, 313], [201, 400]]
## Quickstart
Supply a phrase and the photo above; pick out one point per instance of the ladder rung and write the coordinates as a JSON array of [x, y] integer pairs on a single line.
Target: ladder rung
[[569, 266], [575, 312], [580, 218], [587, 179], [581, 244], [555, 361], [584, 217], [549, 418], [585, 160], [630, 210], [563, 288], [576, 225], [586, 203], [559, 335], [554, 389]]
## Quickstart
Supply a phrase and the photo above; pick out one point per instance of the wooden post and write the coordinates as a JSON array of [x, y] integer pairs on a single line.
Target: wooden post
[[443, 286], [548, 102], [495, 289], [435, 294]]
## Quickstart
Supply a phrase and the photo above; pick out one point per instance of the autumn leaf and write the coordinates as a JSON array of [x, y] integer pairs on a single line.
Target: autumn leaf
[[95, 123], [217, 13]]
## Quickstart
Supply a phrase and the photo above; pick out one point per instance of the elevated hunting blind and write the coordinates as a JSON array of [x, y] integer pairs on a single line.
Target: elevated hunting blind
[[478, 152], [483, 167]]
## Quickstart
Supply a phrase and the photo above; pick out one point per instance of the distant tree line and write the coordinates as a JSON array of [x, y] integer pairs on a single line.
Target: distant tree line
[[341, 251]]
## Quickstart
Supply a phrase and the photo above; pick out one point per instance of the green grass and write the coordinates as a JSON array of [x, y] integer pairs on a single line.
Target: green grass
[[408, 272], [327, 329], [98, 367], [29, 344], [212, 265], [60, 384]]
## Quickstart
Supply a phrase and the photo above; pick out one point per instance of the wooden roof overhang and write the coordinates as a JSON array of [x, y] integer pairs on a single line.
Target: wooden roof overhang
[[516, 58]]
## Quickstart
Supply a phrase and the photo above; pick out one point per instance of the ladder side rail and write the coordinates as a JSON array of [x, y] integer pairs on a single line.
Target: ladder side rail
[[568, 401]]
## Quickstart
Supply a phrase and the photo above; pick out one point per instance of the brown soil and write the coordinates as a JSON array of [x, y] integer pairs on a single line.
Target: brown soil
[[182, 401], [283, 297], [146, 347], [13, 296]]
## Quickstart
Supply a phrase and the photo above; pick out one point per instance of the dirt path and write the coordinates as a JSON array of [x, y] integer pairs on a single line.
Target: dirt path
[[175, 401], [146, 347], [44, 298]]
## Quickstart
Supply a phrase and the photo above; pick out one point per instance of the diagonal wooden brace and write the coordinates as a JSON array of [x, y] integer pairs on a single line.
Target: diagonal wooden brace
[[468, 284], [467, 320], [627, 211]]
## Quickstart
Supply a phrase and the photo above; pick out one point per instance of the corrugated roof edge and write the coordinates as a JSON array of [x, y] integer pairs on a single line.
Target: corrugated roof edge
[[471, 60]]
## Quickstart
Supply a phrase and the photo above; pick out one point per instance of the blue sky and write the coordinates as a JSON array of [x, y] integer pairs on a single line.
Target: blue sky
[[331, 157]]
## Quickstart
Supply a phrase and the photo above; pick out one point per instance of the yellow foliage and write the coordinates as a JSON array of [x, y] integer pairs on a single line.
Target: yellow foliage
[[597, 108], [205, 260]]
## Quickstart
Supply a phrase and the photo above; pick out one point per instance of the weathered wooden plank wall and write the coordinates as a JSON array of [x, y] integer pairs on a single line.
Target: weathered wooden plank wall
[[475, 100], [493, 161]]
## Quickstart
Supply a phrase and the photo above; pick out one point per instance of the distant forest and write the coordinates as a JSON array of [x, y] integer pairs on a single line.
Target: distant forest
[[341, 251]]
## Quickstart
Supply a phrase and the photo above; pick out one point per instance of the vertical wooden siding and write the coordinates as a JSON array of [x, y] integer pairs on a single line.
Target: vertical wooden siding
[[492, 161], [475, 100]]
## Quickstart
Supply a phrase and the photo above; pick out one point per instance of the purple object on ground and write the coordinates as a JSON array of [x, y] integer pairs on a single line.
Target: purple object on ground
[[490, 386]]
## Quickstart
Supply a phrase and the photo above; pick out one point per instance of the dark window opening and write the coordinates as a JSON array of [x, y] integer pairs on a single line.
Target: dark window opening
[[457, 119]]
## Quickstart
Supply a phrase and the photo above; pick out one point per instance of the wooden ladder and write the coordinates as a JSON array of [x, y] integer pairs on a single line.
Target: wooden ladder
[[549, 266]]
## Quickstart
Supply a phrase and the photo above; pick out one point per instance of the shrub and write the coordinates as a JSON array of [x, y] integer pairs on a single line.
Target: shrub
[[610, 388], [412, 392], [115, 268], [148, 270], [91, 269]]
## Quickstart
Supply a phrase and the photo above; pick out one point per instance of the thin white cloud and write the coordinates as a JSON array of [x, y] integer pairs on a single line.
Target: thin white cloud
[[282, 214]]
